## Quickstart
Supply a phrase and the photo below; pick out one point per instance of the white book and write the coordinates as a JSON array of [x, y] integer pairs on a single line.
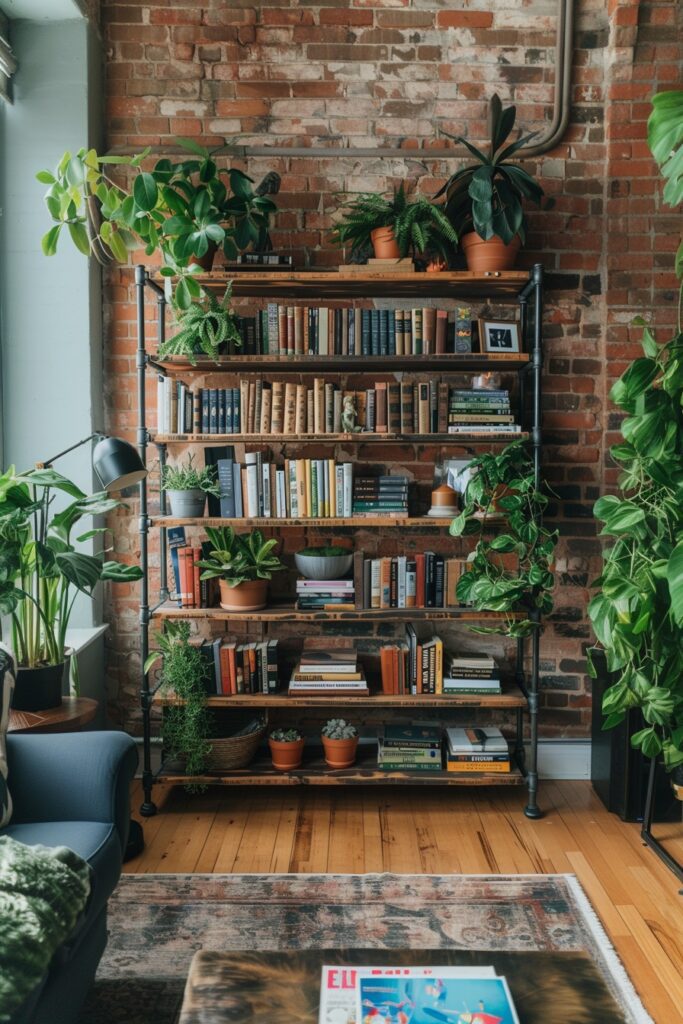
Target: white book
[[280, 495], [293, 494], [401, 581], [267, 503], [339, 490], [252, 509], [347, 500], [160, 404]]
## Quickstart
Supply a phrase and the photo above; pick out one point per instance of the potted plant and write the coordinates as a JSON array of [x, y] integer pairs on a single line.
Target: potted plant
[[243, 566], [324, 563], [394, 227], [286, 749], [182, 210], [187, 487], [205, 328], [485, 200], [511, 571], [42, 572], [340, 743], [185, 724]]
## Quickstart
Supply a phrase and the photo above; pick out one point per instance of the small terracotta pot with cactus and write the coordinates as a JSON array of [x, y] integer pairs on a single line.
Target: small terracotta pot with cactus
[[286, 749], [340, 743]]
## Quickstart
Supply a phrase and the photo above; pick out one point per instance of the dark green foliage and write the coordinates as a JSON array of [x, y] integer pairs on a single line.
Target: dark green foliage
[[419, 225], [188, 477], [202, 328], [325, 552], [488, 197], [239, 558], [286, 735], [504, 483]]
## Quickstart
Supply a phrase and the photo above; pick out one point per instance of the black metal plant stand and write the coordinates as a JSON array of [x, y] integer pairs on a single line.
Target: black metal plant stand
[[646, 829]]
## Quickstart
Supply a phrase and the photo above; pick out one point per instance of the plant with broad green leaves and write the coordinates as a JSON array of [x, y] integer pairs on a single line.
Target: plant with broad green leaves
[[178, 209], [41, 572], [637, 615], [203, 328], [505, 483], [488, 196], [188, 477], [419, 225], [185, 725], [239, 558]]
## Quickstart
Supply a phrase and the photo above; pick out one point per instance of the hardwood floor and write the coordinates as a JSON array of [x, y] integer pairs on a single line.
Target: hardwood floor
[[442, 831]]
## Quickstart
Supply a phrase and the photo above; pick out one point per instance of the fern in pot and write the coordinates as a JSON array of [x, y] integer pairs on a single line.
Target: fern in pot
[[243, 565], [187, 486], [340, 743]]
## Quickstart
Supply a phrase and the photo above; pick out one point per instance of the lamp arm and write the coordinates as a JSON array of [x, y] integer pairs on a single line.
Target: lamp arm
[[48, 462]]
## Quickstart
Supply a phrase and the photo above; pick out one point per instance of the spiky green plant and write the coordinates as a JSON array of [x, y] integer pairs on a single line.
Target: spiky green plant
[[187, 477], [203, 328], [418, 224], [487, 197]]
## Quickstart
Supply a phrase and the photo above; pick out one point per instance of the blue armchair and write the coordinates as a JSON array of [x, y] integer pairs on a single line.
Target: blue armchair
[[72, 789]]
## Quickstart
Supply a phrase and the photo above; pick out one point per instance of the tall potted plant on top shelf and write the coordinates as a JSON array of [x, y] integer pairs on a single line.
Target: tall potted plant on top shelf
[[41, 572], [485, 200]]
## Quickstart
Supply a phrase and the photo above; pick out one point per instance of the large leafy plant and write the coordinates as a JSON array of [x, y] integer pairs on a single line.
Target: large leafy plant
[[510, 570], [41, 571], [488, 196], [637, 615], [239, 558], [419, 225], [178, 209]]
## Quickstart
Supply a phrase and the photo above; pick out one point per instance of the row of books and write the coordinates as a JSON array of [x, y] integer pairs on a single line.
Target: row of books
[[424, 580], [287, 407], [416, 666], [235, 668], [300, 488], [328, 330], [190, 590], [325, 670], [380, 495], [421, 748]]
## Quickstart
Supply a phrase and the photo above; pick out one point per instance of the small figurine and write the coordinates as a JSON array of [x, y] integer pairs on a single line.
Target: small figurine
[[349, 416]]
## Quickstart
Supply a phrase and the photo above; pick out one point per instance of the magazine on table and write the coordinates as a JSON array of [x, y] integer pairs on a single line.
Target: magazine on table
[[429, 994]]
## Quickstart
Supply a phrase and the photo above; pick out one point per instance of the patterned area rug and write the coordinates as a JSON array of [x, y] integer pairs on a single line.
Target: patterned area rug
[[157, 922]]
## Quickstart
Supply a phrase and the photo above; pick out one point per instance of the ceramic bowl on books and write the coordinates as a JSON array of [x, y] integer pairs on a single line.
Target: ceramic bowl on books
[[323, 567]]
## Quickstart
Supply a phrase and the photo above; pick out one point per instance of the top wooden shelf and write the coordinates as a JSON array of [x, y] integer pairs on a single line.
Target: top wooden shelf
[[336, 284]]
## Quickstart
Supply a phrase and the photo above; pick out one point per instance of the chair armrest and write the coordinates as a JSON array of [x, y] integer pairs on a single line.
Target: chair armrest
[[73, 776]]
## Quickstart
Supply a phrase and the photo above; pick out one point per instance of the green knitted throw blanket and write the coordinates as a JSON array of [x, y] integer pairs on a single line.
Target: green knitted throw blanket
[[43, 891]]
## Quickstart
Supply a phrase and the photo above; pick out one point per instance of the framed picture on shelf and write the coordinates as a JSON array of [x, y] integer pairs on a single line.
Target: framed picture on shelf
[[499, 335]]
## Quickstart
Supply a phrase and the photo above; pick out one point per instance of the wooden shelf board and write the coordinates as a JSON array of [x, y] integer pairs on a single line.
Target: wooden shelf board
[[287, 613], [463, 362], [331, 522], [366, 284], [314, 772], [512, 697], [362, 438]]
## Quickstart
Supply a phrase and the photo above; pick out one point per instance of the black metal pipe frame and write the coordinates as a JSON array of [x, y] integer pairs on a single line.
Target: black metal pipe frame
[[646, 829]]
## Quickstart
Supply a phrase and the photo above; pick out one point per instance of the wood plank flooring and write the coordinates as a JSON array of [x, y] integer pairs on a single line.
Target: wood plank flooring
[[441, 831]]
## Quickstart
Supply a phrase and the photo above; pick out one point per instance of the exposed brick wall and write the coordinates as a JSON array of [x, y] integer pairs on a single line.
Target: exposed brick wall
[[388, 72]]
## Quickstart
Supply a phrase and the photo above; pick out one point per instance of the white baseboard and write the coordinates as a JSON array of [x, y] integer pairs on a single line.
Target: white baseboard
[[564, 759]]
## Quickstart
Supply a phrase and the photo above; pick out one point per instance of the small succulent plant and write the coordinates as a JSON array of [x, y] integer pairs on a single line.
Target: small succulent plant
[[339, 729], [286, 735]]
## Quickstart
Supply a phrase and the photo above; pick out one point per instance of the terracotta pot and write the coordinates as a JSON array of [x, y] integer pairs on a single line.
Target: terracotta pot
[[492, 254], [340, 753], [286, 755], [206, 261], [245, 597], [38, 689], [384, 244]]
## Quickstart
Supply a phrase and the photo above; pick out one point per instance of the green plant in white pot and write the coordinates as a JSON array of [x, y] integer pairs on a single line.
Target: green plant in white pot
[[187, 486]]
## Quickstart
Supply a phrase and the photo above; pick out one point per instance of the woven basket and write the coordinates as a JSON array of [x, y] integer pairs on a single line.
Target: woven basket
[[234, 751]]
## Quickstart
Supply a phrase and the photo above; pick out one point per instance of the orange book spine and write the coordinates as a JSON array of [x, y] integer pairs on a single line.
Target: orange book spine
[[225, 669], [233, 668], [419, 581], [385, 666], [394, 669], [185, 582]]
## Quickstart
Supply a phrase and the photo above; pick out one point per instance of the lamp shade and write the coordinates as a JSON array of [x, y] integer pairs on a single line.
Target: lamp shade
[[117, 464]]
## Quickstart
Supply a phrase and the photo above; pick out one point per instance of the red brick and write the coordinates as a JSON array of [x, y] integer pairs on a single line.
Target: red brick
[[464, 19]]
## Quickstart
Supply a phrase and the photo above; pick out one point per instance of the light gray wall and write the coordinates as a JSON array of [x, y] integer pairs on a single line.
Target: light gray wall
[[50, 308]]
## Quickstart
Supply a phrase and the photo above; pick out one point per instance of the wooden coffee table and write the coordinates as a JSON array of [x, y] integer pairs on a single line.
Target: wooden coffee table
[[70, 716], [279, 988]]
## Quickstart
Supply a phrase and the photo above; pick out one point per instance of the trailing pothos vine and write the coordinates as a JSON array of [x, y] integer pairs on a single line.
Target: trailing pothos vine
[[509, 571]]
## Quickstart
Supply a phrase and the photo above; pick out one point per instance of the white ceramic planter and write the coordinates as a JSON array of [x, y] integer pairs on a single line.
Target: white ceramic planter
[[187, 504], [324, 567]]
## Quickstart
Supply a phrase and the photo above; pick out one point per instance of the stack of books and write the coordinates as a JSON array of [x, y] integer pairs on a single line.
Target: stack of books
[[476, 750], [380, 496], [472, 673], [478, 410], [409, 748], [324, 595], [300, 488], [325, 670], [424, 580]]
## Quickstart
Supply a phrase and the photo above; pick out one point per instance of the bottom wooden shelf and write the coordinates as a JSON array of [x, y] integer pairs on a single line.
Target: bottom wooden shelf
[[314, 772]]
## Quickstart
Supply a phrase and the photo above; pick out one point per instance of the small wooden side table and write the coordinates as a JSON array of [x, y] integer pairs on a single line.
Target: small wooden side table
[[72, 715]]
